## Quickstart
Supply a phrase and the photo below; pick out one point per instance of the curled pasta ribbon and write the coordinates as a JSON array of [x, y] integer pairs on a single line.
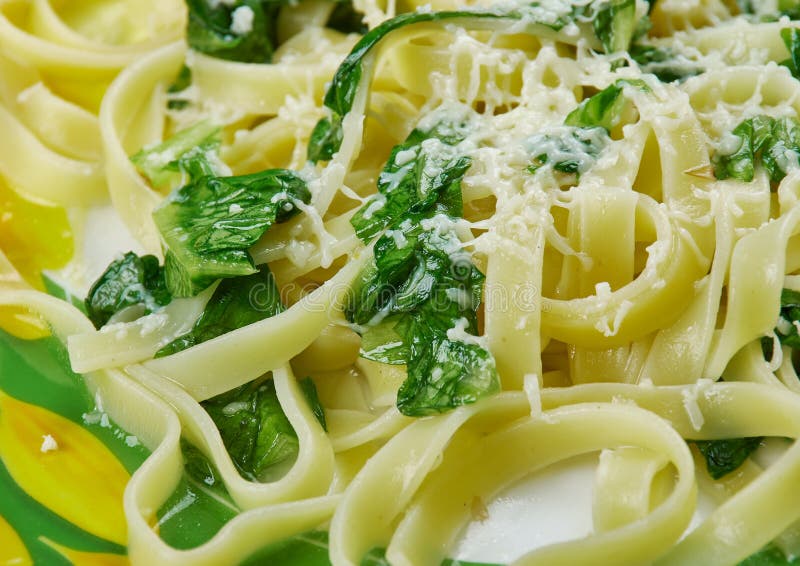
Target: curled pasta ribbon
[[485, 465], [65, 53], [132, 197], [636, 308], [155, 423], [757, 272], [729, 410]]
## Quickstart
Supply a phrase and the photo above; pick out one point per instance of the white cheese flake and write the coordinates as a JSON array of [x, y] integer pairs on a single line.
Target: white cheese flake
[[242, 20], [49, 444]]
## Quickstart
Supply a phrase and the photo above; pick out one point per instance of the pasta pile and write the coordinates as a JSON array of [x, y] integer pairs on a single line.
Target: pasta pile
[[454, 244]]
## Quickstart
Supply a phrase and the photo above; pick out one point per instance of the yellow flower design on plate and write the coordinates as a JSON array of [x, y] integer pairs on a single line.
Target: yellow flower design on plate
[[64, 467]]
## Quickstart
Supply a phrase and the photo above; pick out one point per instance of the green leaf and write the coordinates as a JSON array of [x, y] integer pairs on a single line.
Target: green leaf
[[130, 281], [201, 470], [614, 24], [420, 172], [604, 109], [443, 373], [209, 224], [310, 392], [326, 138], [776, 141], [791, 38], [235, 303], [381, 343], [187, 152], [725, 456], [665, 63], [210, 30], [417, 305], [254, 428], [346, 19], [770, 555]]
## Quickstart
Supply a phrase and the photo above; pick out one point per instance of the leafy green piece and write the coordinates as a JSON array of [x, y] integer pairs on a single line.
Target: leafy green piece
[[326, 139], [235, 303], [604, 109], [209, 224], [443, 371], [420, 171], [254, 428], [770, 555], [198, 467], [346, 19], [665, 63], [327, 135], [190, 151], [127, 282], [614, 24], [310, 393], [212, 29], [791, 38], [776, 141], [181, 83], [421, 298], [725, 456], [568, 150], [381, 343]]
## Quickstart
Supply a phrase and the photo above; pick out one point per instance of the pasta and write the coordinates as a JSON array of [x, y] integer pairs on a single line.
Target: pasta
[[388, 259]]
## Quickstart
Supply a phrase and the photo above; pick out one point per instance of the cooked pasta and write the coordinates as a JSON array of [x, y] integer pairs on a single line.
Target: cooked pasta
[[386, 259]]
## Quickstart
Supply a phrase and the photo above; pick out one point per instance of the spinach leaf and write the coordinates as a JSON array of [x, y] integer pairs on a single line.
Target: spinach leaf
[[665, 63], [127, 282], [237, 31], [775, 140], [380, 342], [235, 303], [604, 109], [568, 150], [725, 456], [191, 151], [770, 555], [421, 298], [327, 135], [200, 468], [614, 24], [419, 172], [209, 224], [310, 393], [254, 428], [791, 38], [445, 370], [326, 139], [346, 19]]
